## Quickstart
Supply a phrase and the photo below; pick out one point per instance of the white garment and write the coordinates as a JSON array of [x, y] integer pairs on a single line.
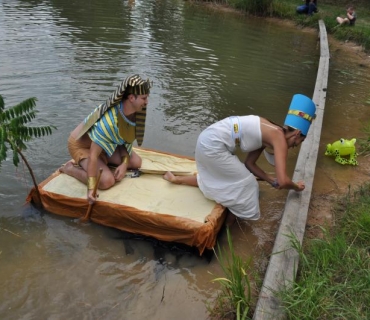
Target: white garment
[[222, 177]]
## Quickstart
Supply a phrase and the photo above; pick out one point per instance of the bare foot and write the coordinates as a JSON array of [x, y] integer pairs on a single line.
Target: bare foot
[[169, 176], [68, 167]]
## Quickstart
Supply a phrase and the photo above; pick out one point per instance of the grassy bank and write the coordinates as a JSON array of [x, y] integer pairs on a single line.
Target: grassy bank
[[333, 280], [328, 10]]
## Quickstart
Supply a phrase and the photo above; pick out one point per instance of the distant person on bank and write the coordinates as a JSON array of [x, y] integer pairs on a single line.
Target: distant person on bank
[[309, 8], [350, 17], [222, 177]]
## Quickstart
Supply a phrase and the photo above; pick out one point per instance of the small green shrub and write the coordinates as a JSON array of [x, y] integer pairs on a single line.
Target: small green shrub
[[234, 300], [14, 133]]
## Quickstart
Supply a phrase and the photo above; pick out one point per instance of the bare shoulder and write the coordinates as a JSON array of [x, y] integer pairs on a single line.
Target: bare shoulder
[[269, 126], [271, 133]]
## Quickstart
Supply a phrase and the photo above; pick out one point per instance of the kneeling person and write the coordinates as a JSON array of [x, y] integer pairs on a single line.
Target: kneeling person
[[222, 177], [106, 136]]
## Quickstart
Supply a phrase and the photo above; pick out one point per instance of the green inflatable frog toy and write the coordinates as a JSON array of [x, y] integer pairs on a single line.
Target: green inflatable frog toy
[[343, 147]]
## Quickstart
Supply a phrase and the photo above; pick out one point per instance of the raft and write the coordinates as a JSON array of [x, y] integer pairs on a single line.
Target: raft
[[144, 204]]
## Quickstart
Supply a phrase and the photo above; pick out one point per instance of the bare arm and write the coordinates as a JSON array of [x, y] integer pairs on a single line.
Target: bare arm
[[281, 153], [274, 137], [123, 161], [280, 165], [251, 164], [92, 170], [350, 16]]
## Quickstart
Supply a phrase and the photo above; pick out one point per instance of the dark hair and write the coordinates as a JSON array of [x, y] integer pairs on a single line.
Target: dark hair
[[291, 129], [126, 94], [285, 127]]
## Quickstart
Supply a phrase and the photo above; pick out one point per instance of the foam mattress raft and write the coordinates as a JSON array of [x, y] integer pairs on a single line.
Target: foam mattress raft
[[147, 205]]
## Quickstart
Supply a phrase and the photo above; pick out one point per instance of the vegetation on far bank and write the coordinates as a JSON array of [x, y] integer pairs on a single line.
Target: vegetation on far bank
[[328, 11]]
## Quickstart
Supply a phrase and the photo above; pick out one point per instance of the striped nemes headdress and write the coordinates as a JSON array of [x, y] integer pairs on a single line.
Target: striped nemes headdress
[[131, 85], [136, 85]]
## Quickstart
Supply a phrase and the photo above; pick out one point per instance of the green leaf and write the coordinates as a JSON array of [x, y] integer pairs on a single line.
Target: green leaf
[[14, 134], [15, 158], [2, 106]]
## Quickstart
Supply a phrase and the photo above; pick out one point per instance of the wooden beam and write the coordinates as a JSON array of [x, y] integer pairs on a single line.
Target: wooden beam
[[282, 268]]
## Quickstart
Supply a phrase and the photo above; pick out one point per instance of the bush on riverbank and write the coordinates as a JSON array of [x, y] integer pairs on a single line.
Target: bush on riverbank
[[255, 7]]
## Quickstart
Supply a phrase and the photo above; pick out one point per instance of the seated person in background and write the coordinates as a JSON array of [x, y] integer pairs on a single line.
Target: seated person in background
[[350, 17], [309, 8]]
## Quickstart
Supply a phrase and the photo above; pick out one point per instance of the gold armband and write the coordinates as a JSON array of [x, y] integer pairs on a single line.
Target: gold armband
[[91, 182], [125, 159]]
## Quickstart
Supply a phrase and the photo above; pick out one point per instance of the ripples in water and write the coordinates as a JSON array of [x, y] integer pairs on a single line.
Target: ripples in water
[[205, 65]]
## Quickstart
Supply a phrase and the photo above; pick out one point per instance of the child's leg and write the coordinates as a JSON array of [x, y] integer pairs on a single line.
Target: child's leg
[[340, 20]]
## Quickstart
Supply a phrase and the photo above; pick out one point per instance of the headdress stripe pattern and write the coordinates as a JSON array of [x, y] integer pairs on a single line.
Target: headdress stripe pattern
[[140, 126], [134, 85]]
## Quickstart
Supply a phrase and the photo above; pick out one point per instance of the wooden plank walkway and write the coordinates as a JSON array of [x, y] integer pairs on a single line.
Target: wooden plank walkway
[[282, 268]]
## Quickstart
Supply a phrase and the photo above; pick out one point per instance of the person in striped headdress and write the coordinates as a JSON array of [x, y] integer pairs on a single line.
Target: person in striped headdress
[[106, 137]]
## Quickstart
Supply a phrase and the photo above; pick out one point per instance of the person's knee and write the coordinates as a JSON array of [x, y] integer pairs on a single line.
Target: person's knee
[[106, 182], [135, 161]]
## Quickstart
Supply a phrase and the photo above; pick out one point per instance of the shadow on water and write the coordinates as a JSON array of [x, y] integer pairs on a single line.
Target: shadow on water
[[205, 65], [160, 248]]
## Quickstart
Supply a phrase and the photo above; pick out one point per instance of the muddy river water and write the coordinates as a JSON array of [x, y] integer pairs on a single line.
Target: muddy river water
[[205, 65]]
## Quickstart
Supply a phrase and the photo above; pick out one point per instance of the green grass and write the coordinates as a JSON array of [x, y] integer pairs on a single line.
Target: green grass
[[333, 279], [235, 297], [328, 11]]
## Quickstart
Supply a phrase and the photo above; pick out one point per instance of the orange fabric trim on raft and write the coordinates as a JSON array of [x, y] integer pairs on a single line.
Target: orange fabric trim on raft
[[200, 232]]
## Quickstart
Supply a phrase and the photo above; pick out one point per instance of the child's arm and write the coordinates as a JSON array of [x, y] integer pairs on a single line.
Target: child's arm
[[350, 16]]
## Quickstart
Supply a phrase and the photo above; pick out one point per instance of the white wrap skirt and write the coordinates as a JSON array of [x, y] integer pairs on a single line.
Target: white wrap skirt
[[222, 177]]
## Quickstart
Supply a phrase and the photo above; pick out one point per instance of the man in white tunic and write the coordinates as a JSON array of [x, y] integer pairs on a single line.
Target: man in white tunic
[[222, 177]]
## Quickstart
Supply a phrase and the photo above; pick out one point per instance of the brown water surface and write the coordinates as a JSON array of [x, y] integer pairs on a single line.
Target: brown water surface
[[205, 65]]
